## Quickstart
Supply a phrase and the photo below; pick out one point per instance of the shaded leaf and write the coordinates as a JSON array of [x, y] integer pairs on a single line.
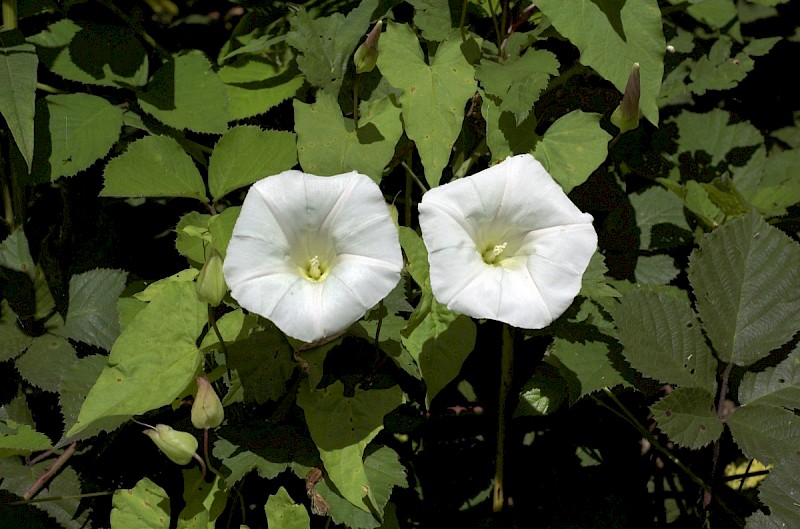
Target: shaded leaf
[[432, 17], [656, 206], [12, 340], [264, 362], [18, 64], [746, 276], [766, 433], [688, 417], [16, 255], [45, 362], [20, 439], [655, 270], [781, 493], [712, 133], [775, 386], [93, 317], [255, 86]]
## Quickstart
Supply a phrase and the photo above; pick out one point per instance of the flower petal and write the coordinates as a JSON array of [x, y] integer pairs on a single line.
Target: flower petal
[[548, 243], [291, 217]]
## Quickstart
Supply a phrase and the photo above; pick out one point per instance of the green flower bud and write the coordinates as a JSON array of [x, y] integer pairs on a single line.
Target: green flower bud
[[211, 287], [367, 54], [626, 116], [178, 446], [207, 411]]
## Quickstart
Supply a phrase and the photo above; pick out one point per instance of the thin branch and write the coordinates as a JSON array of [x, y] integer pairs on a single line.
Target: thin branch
[[55, 467]]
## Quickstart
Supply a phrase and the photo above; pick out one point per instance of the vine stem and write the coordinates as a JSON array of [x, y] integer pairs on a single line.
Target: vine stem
[[355, 103], [59, 498], [213, 321], [205, 454], [506, 376], [9, 14], [44, 478]]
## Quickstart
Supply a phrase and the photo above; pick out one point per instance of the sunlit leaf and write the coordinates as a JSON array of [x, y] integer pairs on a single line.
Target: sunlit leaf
[[712, 133], [432, 17], [18, 63], [688, 417], [433, 96], [92, 316], [586, 367], [205, 502], [16, 254], [770, 183], [655, 206], [746, 276], [20, 439], [283, 512], [145, 506], [255, 86]]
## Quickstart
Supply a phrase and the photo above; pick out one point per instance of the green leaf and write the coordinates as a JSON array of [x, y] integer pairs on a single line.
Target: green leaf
[[745, 276], [45, 362], [770, 183], [440, 344], [775, 386], [342, 427], [766, 433], [12, 340], [154, 166], [18, 78], [655, 270], [518, 82], [78, 379], [688, 417], [327, 143], [73, 131], [781, 493], [432, 17], [585, 366], [504, 136], [594, 283], [247, 154], [185, 93], [16, 254], [239, 462], [720, 70], [326, 44], [145, 506], [416, 255], [20, 439], [655, 206], [712, 133], [262, 380], [284, 513], [662, 339], [204, 502], [715, 13], [93, 317], [152, 361], [255, 86], [699, 202], [155, 289], [572, 148], [93, 54], [433, 96], [611, 37]]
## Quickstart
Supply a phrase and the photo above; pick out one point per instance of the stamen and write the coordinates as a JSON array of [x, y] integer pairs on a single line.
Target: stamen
[[314, 271], [492, 255]]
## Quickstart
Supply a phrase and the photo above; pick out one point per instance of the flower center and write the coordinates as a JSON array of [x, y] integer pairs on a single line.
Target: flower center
[[492, 255], [314, 271]]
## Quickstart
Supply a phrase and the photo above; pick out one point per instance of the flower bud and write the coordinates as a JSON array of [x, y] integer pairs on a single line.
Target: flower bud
[[211, 287], [207, 411], [178, 446], [626, 116], [367, 54]]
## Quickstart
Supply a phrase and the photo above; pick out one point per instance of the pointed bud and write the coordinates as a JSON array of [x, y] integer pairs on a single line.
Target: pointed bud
[[211, 287], [367, 54], [207, 411], [626, 116], [178, 446]]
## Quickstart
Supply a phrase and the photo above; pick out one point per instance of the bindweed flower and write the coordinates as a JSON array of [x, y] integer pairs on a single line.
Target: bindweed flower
[[506, 244], [178, 446], [207, 411], [210, 286], [313, 253]]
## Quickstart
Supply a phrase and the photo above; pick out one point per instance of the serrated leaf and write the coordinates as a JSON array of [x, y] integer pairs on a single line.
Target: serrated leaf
[[152, 361], [712, 133], [662, 339], [12, 340], [16, 254], [504, 136], [518, 82], [746, 277], [18, 64], [433, 96], [255, 86], [585, 366], [594, 283], [247, 154], [262, 380], [655, 270], [440, 344], [92, 53], [185, 93], [656, 206], [326, 44], [766, 433], [45, 361], [572, 148], [239, 462], [93, 317], [327, 143], [283, 512], [154, 166], [775, 386], [781, 493], [342, 427], [719, 70], [612, 39], [20, 439], [73, 131], [688, 417], [145, 506]]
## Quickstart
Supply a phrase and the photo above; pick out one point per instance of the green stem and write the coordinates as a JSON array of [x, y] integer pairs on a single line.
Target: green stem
[[496, 28], [205, 454], [44, 478], [355, 102], [409, 192], [212, 320], [463, 20], [59, 498], [9, 14], [414, 176], [506, 376]]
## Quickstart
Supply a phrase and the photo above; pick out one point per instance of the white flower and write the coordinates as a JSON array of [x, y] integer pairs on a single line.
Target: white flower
[[313, 253], [506, 244]]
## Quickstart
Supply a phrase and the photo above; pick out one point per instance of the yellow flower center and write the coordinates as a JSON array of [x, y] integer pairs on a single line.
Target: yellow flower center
[[314, 271], [492, 255]]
